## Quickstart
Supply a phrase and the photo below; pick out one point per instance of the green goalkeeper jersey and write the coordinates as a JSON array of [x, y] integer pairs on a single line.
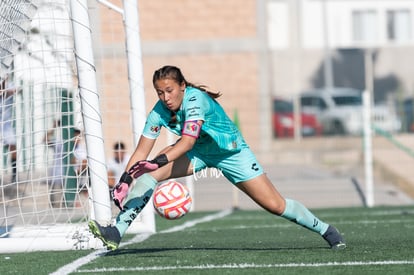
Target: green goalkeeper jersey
[[218, 132]]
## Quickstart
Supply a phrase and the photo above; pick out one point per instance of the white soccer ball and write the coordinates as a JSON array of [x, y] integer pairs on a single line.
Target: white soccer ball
[[172, 200]]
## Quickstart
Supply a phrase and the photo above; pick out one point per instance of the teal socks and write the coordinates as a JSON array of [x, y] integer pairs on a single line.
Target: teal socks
[[136, 200], [298, 213]]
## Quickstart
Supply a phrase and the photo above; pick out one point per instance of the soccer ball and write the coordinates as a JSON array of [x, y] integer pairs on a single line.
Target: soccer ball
[[172, 200]]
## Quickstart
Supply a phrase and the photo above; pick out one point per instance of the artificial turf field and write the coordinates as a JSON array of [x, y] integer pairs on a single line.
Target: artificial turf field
[[380, 240]]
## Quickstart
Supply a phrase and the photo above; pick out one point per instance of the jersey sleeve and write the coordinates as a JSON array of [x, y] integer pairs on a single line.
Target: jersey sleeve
[[152, 126], [196, 107]]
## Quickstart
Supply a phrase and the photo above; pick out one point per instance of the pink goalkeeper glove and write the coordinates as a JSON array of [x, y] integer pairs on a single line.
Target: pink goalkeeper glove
[[145, 166], [120, 190]]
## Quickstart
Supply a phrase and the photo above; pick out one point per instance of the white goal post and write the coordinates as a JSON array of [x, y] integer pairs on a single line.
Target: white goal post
[[51, 100]]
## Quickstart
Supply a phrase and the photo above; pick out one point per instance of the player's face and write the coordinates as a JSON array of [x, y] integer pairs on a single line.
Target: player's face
[[170, 93]]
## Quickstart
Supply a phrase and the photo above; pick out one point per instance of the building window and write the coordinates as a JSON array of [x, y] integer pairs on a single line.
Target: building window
[[365, 26], [277, 25], [399, 25]]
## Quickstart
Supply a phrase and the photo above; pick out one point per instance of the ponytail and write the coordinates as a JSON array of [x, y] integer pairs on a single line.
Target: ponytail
[[175, 74]]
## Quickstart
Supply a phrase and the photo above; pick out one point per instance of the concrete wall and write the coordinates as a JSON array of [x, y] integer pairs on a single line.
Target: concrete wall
[[224, 44], [214, 43]]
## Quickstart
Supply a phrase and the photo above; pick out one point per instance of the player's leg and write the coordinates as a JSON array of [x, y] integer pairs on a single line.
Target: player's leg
[[246, 173], [144, 186], [136, 200], [139, 195], [263, 192]]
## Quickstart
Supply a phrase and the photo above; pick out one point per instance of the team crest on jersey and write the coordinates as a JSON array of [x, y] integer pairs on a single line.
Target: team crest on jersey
[[155, 129], [191, 128]]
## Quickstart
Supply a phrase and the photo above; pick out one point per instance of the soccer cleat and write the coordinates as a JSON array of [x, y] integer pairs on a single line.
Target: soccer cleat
[[334, 238], [109, 235]]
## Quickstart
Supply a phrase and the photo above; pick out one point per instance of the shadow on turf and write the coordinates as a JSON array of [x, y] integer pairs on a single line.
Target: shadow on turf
[[125, 251]]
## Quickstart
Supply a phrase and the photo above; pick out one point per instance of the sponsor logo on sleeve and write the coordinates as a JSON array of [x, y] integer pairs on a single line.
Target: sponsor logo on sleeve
[[155, 129], [192, 129]]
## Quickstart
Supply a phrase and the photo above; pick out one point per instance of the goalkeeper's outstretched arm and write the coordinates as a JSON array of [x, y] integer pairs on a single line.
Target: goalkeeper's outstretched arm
[[141, 152]]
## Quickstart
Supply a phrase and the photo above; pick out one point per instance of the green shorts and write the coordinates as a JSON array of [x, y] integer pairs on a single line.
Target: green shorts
[[236, 167]]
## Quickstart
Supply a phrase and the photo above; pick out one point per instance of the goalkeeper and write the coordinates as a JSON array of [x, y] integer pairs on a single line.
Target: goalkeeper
[[208, 138]]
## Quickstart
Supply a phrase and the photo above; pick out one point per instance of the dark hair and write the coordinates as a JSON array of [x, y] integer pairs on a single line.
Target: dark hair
[[119, 145], [174, 73]]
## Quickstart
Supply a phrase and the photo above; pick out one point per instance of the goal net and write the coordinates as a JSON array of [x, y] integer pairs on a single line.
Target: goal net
[[58, 125]]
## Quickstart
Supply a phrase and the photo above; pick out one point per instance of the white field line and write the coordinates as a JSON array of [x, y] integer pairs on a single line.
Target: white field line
[[201, 220], [246, 265], [73, 266], [359, 213], [285, 225]]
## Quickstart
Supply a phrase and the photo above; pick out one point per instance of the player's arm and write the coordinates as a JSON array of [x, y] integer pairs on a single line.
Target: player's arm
[[149, 135], [120, 190], [141, 152], [189, 137]]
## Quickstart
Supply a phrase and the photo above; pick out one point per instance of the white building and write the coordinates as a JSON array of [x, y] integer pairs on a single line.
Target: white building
[[316, 43]]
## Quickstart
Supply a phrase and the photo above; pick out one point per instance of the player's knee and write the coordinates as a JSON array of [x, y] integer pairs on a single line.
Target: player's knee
[[276, 207]]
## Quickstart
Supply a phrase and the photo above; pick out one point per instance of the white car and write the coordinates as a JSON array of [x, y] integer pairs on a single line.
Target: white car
[[339, 110]]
